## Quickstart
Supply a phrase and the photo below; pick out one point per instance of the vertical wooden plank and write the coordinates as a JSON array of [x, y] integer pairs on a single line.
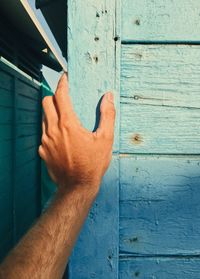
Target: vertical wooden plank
[[26, 173], [93, 52], [6, 133]]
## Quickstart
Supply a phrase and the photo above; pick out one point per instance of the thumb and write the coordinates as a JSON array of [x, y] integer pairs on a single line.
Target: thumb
[[107, 117]]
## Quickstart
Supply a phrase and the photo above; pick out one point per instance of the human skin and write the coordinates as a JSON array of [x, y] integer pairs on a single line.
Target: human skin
[[76, 160]]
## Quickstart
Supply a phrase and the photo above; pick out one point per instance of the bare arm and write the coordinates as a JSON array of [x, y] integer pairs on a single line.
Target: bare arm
[[76, 160]]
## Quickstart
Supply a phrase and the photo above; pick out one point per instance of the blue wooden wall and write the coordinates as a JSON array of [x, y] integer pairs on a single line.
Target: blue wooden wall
[[145, 222], [20, 131]]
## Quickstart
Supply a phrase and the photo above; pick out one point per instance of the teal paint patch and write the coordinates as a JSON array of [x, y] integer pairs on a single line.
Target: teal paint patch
[[48, 187]]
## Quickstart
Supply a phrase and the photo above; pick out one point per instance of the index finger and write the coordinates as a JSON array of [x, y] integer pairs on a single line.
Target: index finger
[[62, 98]]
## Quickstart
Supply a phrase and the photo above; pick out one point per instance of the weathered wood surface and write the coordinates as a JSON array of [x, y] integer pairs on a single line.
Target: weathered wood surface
[[159, 205], [93, 54], [96, 253], [162, 75], [144, 20], [159, 268], [160, 99]]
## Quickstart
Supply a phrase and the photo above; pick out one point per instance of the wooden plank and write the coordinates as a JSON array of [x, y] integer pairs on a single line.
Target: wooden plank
[[24, 143], [6, 132], [96, 253], [157, 268], [23, 130], [93, 55], [5, 245], [31, 154], [24, 173], [159, 205], [6, 115], [5, 167], [27, 89], [159, 130], [27, 103], [6, 81], [163, 75], [144, 20], [6, 98], [5, 148], [27, 117]]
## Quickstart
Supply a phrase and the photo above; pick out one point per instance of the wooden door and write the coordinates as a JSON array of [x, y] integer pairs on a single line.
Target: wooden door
[[145, 222]]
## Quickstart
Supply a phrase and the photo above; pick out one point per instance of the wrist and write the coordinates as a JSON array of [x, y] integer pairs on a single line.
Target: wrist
[[88, 191]]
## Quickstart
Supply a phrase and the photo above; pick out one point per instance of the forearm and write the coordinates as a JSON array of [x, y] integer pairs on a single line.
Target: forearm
[[44, 251]]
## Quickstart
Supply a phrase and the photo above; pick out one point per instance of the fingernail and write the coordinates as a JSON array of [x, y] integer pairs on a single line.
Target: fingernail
[[110, 97]]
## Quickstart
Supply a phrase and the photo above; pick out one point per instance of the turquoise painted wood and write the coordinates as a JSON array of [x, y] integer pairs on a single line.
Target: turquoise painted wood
[[152, 21], [20, 131], [93, 55], [152, 221], [162, 268], [159, 205]]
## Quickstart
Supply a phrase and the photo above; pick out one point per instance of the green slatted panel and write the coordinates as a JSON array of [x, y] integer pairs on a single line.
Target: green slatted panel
[[20, 168]]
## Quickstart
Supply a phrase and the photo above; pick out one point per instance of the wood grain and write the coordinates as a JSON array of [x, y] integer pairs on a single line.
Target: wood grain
[[160, 99], [20, 107], [159, 205], [93, 61], [144, 20], [157, 268], [163, 75]]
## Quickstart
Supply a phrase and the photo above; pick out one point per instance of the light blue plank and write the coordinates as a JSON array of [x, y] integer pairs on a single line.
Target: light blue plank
[[159, 205], [162, 75], [93, 63], [159, 83], [159, 130], [159, 268], [93, 57], [144, 20]]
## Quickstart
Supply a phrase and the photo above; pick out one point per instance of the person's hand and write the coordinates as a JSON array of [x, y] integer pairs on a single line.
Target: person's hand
[[75, 156]]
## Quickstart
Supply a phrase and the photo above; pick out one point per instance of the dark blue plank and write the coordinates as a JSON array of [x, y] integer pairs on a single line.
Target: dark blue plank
[[96, 252], [159, 205], [159, 268]]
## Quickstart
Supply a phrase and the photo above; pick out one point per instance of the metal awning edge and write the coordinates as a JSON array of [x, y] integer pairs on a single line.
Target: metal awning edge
[[39, 27]]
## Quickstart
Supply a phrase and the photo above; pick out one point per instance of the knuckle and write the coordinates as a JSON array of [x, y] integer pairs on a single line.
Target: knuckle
[[52, 131], [41, 152], [111, 112], [108, 136], [45, 100], [44, 140], [64, 122]]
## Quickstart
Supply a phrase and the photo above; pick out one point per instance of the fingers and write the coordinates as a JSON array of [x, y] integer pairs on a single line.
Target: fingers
[[42, 152], [107, 118], [62, 98], [51, 116]]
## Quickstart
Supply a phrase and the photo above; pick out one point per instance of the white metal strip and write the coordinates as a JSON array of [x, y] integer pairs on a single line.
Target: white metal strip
[[43, 33]]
